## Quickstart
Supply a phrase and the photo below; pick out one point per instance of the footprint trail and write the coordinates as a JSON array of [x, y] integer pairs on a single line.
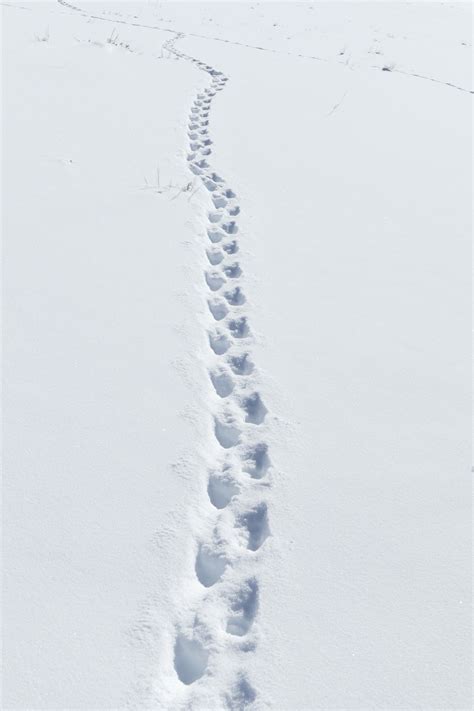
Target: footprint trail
[[227, 562]]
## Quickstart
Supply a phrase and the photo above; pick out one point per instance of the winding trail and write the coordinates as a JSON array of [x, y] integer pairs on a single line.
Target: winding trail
[[226, 563]]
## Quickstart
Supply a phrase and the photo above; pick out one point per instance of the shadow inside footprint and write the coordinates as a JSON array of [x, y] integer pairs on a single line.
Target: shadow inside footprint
[[190, 659], [209, 566], [222, 381], [221, 489], [233, 270], [226, 434], [241, 364], [231, 247], [257, 461], [254, 408], [245, 608], [215, 256], [214, 280], [235, 297], [256, 523], [219, 343], [239, 327], [242, 695], [218, 309]]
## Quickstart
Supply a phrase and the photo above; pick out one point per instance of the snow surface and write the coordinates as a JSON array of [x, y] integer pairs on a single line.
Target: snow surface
[[236, 404]]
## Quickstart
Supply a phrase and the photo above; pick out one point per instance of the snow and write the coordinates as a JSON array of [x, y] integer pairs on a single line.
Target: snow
[[235, 372]]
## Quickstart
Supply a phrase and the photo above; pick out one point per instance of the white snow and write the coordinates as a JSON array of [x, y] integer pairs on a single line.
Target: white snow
[[236, 405]]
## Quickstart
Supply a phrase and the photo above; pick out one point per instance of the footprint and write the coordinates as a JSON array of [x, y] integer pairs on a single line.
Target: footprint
[[190, 659], [234, 210], [230, 193], [230, 227], [226, 434], [217, 178], [241, 364], [239, 327], [241, 696], [209, 566], [218, 309], [256, 523], [214, 256], [244, 608], [219, 201], [231, 247], [221, 489], [222, 381], [215, 235], [235, 297], [254, 408], [210, 184], [215, 216], [233, 271], [214, 280], [219, 343], [257, 461]]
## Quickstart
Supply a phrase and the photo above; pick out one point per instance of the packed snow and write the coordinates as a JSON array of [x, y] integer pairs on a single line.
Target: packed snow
[[236, 306]]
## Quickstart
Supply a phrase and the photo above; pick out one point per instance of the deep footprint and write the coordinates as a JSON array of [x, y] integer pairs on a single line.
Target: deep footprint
[[190, 659], [221, 489], [219, 343], [244, 608], [226, 434], [256, 523], [222, 381], [256, 461], [209, 566], [218, 309], [254, 408], [241, 364]]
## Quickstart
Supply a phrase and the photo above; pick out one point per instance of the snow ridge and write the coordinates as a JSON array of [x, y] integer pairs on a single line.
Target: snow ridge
[[226, 563]]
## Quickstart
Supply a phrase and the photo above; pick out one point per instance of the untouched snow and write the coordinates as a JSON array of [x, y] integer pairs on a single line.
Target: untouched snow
[[236, 412]]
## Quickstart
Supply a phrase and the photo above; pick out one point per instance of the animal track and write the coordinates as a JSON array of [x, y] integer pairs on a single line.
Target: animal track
[[241, 364], [215, 257], [214, 280], [221, 489], [242, 695], [255, 409], [219, 343], [232, 483], [256, 524], [218, 309], [228, 435], [235, 297], [222, 381], [230, 227], [190, 659], [214, 235], [233, 271], [219, 201], [256, 461], [244, 608], [231, 247], [239, 327], [209, 566]]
